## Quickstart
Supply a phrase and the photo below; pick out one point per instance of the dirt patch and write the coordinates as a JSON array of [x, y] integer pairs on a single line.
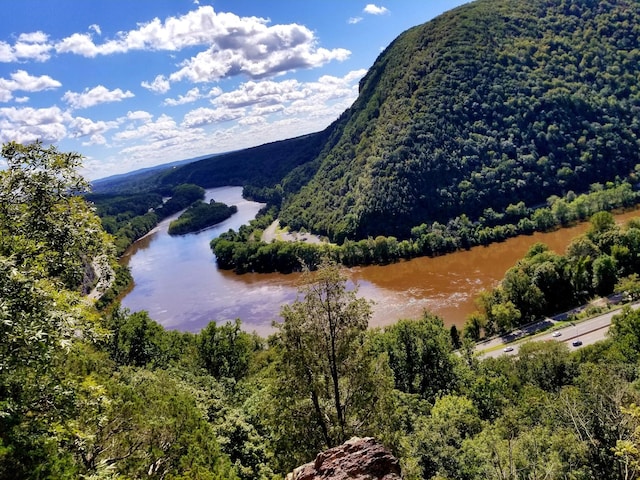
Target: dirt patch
[[274, 232]]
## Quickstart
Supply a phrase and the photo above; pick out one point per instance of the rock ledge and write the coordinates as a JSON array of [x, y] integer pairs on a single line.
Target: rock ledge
[[358, 458]]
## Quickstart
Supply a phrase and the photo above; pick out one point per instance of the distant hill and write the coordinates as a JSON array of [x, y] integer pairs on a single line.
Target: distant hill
[[137, 180], [262, 166], [494, 102]]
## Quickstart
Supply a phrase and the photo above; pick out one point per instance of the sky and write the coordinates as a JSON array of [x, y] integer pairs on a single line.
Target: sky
[[131, 84]]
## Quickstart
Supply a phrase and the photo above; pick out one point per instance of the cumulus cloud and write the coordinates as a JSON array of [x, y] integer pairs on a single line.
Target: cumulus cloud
[[190, 97], [23, 81], [253, 101], [354, 20], [25, 125], [233, 46], [95, 96], [258, 52], [159, 85], [206, 116], [372, 9], [83, 127], [140, 115], [28, 46], [96, 28], [261, 93]]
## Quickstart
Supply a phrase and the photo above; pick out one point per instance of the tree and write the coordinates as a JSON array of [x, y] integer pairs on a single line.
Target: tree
[[605, 274], [137, 340], [46, 226], [420, 356], [325, 364], [49, 238], [225, 350]]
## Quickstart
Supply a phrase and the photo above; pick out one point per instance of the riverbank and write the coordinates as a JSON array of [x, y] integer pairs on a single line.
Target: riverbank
[[274, 232]]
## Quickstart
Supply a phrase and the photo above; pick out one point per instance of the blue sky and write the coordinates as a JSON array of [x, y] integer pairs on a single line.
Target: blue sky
[[134, 83]]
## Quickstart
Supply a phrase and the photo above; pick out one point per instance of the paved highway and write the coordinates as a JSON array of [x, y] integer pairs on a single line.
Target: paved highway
[[588, 332]]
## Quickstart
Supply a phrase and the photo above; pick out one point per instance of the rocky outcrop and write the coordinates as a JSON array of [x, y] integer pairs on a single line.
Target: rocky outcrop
[[358, 458]]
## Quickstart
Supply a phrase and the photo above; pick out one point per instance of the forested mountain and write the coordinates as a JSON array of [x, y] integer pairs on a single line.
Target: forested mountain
[[110, 394], [495, 102]]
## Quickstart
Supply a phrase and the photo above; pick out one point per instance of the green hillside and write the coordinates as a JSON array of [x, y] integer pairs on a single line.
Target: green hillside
[[495, 102], [261, 166]]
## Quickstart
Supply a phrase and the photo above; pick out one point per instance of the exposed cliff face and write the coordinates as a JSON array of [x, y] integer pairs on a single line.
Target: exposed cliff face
[[358, 458]]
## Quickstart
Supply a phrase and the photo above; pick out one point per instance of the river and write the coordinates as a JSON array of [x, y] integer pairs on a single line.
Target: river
[[178, 283]]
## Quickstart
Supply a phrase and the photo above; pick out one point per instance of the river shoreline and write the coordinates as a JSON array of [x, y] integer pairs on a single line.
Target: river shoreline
[[177, 280]]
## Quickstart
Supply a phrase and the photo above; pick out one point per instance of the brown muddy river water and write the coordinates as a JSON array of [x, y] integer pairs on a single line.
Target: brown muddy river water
[[178, 283]]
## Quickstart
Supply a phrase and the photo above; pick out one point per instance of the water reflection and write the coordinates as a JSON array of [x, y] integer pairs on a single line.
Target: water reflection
[[178, 282]]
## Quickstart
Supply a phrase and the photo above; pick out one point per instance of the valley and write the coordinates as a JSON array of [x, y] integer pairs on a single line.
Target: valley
[[178, 282]]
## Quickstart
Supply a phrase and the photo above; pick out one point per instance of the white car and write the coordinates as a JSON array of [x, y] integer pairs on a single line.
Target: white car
[[508, 349], [557, 333]]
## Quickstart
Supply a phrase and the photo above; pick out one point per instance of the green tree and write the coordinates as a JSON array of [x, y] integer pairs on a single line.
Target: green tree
[[433, 449], [325, 365], [46, 226], [49, 238], [137, 340], [225, 350], [421, 356], [605, 274]]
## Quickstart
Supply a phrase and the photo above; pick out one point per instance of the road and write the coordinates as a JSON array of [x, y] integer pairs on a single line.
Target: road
[[588, 332]]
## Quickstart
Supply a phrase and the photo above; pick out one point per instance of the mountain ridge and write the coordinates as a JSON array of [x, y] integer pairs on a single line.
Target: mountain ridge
[[494, 102]]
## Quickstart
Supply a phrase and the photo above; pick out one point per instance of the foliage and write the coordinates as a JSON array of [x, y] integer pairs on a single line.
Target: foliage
[[490, 104], [46, 226], [201, 215], [420, 356], [334, 385], [225, 350], [243, 251], [543, 283]]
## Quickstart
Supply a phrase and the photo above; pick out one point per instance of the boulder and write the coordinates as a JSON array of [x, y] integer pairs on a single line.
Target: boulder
[[358, 458]]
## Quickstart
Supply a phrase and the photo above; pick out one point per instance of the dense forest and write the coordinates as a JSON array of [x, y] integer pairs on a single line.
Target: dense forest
[[245, 251], [490, 104], [496, 119], [111, 394], [487, 111], [201, 215]]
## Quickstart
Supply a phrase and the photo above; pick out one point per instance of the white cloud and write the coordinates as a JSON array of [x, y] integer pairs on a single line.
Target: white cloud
[[354, 20], [207, 116], [29, 46], [139, 115], [33, 37], [264, 92], [252, 102], [233, 46], [214, 64], [95, 96], [96, 139], [96, 28], [159, 85], [23, 81], [25, 125], [372, 9], [255, 120], [83, 127], [80, 44], [190, 97], [164, 127]]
